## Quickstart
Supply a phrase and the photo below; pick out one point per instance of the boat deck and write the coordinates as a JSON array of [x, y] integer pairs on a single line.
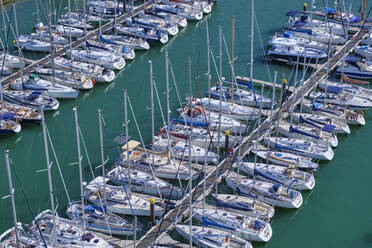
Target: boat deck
[[177, 214]]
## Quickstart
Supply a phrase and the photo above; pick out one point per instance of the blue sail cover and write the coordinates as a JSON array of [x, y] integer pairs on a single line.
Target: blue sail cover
[[188, 122], [329, 128], [329, 10], [7, 116], [287, 34], [95, 46], [308, 31], [352, 59], [102, 39], [304, 120], [258, 225], [280, 147], [334, 89], [208, 222], [296, 130], [267, 176]]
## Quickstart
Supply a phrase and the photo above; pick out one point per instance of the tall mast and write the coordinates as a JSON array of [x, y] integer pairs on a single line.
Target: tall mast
[[11, 191], [208, 63], [5, 28], [69, 25], [252, 39], [168, 103], [220, 48], [51, 41], [80, 166], [102, 157], [232, 60], [17, 36], [190, 172], [363, 9], [152, 114], [127, 135], [48, 165]]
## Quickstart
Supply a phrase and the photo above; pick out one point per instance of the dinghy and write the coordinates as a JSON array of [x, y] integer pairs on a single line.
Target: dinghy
[[244, 205], [33, 82], [67, 234], [102, 58], [206, 237], [289, 177], [245, 227], [32, 99], [95, 219], [180, 150], [119, 201], [144, 183], [270, 193], [301, 147], [99, 73]]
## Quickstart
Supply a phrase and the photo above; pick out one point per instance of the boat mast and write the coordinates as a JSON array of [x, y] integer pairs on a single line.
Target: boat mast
[[11, 192], [168, 103], [99, 18], [48, 165], [252, 43], [37, 11], [209, 67], [5, 29], [152, 116], [51, 42], [102, 157], [190, 172], [127, 138], [363, 8], [85, 21], [220, 47], [232, 60], [80, 166], [17, 41]]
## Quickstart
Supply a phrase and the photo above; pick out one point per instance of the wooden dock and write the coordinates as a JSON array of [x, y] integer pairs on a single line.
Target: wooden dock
[[176, 215]]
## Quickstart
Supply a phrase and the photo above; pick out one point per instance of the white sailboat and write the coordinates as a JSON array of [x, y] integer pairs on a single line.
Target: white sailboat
[[105, 59]]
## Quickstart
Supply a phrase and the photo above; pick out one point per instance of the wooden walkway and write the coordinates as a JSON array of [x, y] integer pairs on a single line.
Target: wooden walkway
[[90, 35], [176, 215]]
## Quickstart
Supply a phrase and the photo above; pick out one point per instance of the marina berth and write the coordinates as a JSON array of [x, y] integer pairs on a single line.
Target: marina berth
[[122, 40], [125, 52]]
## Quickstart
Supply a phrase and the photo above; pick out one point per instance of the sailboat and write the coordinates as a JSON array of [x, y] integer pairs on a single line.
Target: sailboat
[[125, 52], [309, 131], [353, 90], [231, 110], [67, 234], [290, 177], [8, 239], [288, 39], [8, 125], [322, 121], [32, 99], [11, 61], [144, 183], [164, 166], [98, 73], [152, 36], [102, 58], [28, 43], [189, 14], [61, 30], [95, 219], [336, 96], [22, 113], [245, 205], [292, 52], [179, 20], [206, 237], [44, 36], [122, 40], [119, 201], [301, 147], [148, 21], [33, 82], [245, 227], [180, 150], [270, 193]]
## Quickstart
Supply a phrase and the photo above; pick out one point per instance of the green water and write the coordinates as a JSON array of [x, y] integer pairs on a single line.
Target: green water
[[334, 214]]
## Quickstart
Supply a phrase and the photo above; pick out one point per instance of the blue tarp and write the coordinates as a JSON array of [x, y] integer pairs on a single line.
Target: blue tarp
[[354, 19], [352, 59], [258, 225], [7, 116], [106, 40], [287, 34], [188, 122], [308, 31], [304, 120], [266, 175]]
